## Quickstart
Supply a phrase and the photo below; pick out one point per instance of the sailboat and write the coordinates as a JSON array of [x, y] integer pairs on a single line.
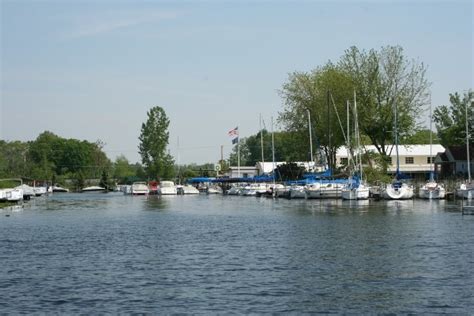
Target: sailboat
[[432, 189], [398, 189], [466, 189], [355, 189]]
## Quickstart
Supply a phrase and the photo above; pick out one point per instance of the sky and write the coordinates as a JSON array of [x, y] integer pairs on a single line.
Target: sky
[[92, 69]]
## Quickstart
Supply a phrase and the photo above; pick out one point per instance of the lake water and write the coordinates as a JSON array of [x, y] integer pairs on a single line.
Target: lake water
[[108, 253]]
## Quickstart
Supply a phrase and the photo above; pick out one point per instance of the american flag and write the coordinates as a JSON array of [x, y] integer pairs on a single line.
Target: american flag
[[234, 134]]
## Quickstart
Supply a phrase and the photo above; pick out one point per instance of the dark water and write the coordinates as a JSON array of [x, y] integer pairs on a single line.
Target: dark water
[[77, 253]]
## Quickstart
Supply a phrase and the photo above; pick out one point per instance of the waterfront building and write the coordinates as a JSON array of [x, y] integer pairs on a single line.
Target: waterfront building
[[415, 160]]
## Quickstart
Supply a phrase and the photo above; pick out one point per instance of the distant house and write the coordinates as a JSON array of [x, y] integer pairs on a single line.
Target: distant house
[[453, 161], [415, 161]]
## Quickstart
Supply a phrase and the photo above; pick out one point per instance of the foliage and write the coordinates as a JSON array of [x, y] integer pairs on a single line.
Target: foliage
[[289, 171], [13, 159], [153, 142], [122, 169], [288, 147], [323, 93], [451, 120], [104, 180], [384, 81], [421, 137]]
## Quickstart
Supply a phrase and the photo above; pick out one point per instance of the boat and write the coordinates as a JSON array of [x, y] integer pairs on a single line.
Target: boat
[[58, 189], [214, 189], [466, 189], [93, 189], [297, 192], [355, 188], [281, 191], [39, 191], [167, 188], [398, 189], [11, 195], [139, 188], [329, 189], [186, 189], [153, 187], [28, 191], [431, 189]]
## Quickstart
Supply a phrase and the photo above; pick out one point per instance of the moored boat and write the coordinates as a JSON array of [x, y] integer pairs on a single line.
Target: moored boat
[[139, 188]]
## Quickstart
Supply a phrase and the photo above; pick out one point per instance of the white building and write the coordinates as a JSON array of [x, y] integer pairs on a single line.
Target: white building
[[413, 159]]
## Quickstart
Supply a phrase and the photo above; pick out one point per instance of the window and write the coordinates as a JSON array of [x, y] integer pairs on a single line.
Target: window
[[344, 161], [409, 160], [430, 159]]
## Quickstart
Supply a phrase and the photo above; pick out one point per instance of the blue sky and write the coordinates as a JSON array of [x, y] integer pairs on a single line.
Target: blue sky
[[91, 69]]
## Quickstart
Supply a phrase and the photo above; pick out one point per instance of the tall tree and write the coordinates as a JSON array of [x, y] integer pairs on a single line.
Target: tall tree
[[323, 93], [386, 80], [154, 139], [451, 120]]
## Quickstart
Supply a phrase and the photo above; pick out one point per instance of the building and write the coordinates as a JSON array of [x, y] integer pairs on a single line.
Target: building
[[453, 162], [263, 168], [416, 161]]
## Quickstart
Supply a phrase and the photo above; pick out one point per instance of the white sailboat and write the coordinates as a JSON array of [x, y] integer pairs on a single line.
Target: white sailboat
[[432, 189], [397, 190], [466, 189], [355, 189]]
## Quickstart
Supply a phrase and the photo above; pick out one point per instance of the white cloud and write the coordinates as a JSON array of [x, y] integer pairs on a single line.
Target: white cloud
[[108, 22]]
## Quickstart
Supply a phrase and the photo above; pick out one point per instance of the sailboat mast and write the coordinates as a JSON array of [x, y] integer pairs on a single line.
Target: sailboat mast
[[310, 136], [467, 145], [396, 140], [431, 144], [261, 138], [356, 131], [179, 178], [273, 154]]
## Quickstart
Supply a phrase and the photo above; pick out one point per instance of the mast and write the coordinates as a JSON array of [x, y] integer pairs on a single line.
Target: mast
[[396, 140], [310, 137], [467, 144], [179, 178], [356, 131], [431, 144], [273, 154], [261, 139], [348, 142]]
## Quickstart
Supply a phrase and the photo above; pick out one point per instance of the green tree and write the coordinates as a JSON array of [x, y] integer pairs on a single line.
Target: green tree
[[421, 137], [104, 180], [122, 169], [154, 138], [323, 93], [386, 80], [13, 159], [451, 120]]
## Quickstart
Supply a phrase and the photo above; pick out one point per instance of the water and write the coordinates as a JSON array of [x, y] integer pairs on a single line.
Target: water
[[106, 253]]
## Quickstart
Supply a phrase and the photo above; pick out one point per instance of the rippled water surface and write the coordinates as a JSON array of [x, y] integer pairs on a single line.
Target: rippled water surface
[[107, 253]]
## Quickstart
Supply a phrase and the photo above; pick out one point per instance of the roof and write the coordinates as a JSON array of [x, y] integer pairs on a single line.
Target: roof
[[460, 152]]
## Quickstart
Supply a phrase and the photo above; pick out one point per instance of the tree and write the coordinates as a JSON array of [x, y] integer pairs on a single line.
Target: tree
[[153, 142], [421, 137], [104, 180], [384, 81], [451, 120], [122, 169], [323, 93]]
